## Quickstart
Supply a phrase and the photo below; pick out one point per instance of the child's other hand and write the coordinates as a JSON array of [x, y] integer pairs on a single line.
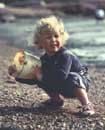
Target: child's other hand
[[38, 73], [12, 70]]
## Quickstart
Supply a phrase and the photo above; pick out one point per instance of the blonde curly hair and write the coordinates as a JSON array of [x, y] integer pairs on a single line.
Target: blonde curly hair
[[50, 23]]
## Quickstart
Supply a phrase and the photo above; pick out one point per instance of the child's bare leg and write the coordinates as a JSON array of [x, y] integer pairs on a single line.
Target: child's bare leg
[[82, 96]]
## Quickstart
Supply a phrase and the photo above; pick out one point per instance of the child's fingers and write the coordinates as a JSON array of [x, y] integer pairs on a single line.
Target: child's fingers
[[12, 69], [37, 72]]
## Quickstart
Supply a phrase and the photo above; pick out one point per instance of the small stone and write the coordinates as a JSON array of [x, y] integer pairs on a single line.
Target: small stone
[[14, 118], [38, 126], [103, 118], [24, 126], [31, 127], [64, 124], [1, 118], [101, 123], [93, 125]]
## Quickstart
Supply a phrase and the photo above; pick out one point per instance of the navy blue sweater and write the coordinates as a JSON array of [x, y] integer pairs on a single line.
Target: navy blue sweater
[[56, 68]]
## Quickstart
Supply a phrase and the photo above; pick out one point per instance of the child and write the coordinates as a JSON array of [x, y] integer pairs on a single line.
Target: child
[[62, 75]]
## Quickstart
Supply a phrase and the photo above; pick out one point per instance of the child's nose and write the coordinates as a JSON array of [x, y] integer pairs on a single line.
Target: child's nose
[[53, 39]]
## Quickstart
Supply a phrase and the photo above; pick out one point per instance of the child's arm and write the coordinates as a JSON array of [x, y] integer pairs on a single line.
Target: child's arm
[[27, 81]]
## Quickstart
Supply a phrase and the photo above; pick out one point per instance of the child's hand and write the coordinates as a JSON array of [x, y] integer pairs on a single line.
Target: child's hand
[[12, 70], [38, 73]]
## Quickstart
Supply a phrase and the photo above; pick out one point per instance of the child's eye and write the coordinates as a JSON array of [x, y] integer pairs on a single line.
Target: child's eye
[[56, 36]]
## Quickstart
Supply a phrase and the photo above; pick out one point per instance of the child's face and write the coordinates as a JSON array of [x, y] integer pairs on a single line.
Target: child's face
[[51, 41]]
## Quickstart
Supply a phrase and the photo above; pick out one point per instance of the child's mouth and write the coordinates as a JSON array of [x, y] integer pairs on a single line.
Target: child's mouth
[[57, 45]]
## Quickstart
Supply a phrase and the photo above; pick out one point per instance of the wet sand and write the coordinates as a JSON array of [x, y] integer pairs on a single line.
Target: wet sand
[[17, 109]]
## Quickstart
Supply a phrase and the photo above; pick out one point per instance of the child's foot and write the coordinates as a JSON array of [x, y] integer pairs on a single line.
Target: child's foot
[[53, 103], [88, 110]]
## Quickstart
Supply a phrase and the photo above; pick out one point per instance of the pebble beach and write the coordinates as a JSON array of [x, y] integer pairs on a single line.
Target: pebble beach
[[19, 102]]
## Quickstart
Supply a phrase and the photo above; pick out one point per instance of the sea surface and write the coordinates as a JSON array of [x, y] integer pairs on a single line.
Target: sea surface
[[87, 36]]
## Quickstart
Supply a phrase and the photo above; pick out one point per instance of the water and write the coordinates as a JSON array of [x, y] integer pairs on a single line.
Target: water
[[87, 37]]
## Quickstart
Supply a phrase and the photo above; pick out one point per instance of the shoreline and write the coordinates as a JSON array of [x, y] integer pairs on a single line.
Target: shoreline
[[5, 43]]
